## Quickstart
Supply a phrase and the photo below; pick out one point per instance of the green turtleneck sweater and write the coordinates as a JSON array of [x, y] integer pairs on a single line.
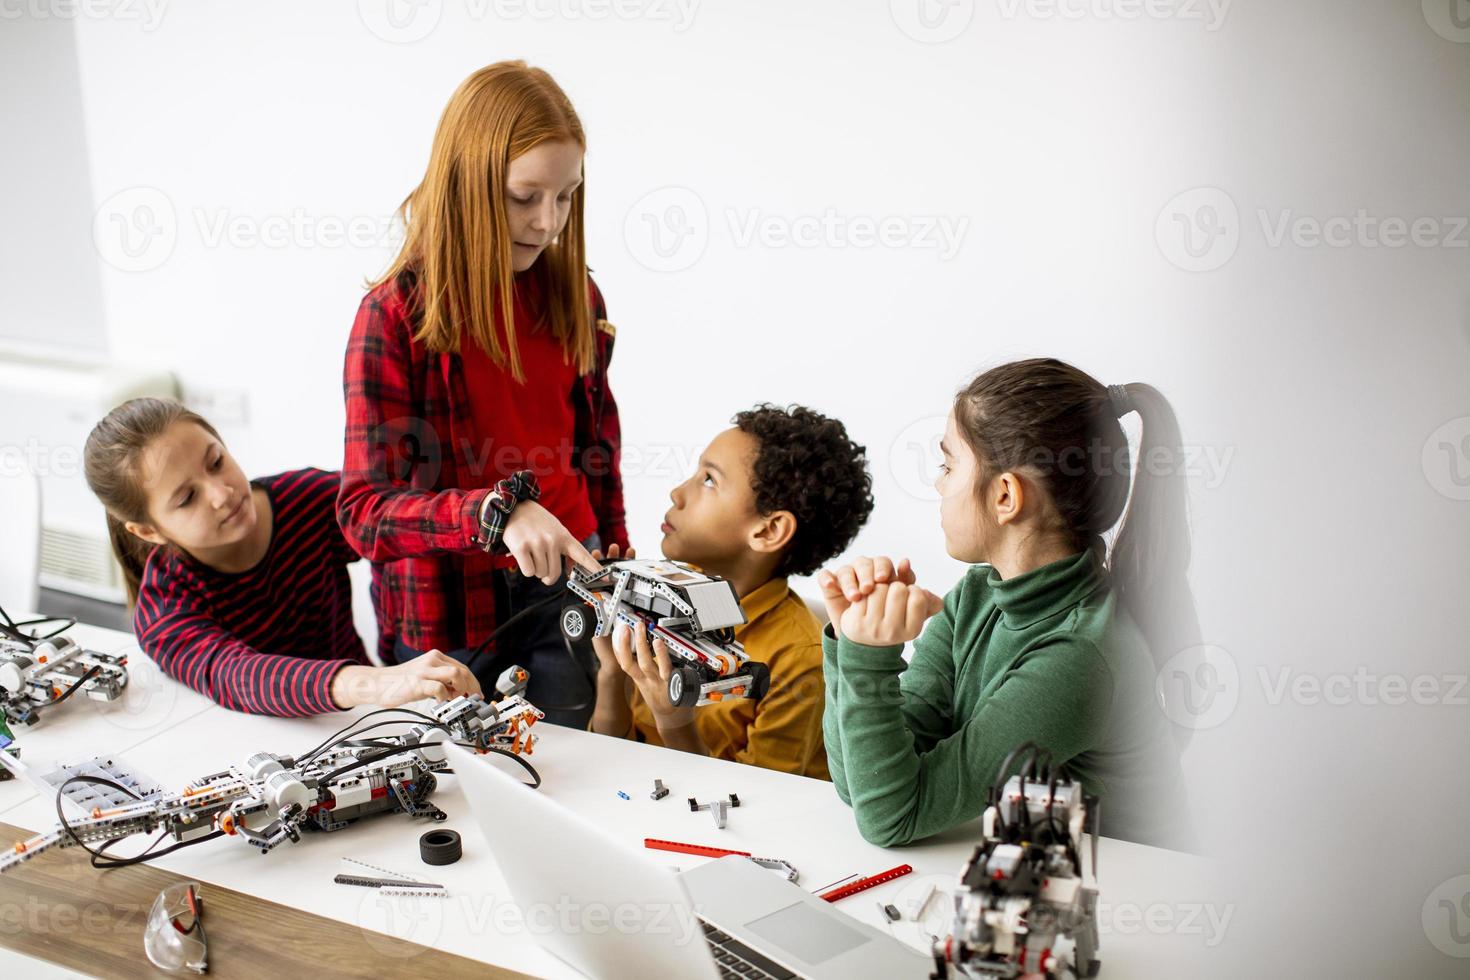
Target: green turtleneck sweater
[[1047, 657]]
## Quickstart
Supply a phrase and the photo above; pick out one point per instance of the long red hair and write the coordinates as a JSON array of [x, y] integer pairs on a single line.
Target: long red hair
[[458, 241]]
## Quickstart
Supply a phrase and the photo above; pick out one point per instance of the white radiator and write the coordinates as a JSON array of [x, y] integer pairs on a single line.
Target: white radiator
[[48, 404]]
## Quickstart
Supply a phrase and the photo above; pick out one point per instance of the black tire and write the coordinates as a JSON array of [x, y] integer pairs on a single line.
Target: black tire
[[760, 680], [684, 684], [574, 621]]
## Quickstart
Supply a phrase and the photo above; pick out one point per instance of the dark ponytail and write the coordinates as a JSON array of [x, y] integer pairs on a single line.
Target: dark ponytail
[[110, 461], [1150, 556], [1060, 426]]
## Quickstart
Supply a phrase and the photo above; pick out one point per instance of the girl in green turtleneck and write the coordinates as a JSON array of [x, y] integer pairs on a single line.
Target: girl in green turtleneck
[[1046, 639]]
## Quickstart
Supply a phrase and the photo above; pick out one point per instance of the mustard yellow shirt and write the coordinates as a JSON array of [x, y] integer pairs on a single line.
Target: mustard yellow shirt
[[783, 730]]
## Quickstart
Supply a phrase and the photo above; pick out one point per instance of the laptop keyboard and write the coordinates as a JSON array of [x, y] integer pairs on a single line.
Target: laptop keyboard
[[738, 961]]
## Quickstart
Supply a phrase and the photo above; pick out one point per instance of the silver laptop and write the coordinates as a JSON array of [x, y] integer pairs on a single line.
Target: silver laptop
[[618, 913]]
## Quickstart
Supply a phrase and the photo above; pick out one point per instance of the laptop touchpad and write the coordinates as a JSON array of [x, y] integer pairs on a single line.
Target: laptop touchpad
[[806, 933]]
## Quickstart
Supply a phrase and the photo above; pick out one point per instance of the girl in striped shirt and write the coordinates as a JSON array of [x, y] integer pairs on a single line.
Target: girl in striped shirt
[[239, 588]]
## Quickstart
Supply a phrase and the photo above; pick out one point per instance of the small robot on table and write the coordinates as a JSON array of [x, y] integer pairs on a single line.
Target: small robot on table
[[1024, 889], [271, 799], [693, 613], [36, 674]]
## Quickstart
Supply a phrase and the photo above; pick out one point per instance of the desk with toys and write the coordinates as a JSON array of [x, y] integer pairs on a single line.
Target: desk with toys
[[286, 907]]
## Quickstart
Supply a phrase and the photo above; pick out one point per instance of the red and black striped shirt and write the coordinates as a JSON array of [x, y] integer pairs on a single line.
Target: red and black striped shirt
[[269, 640], [414, 472]]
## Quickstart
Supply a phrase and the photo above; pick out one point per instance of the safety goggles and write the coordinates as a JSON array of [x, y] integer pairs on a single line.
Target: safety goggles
[[175, 939]]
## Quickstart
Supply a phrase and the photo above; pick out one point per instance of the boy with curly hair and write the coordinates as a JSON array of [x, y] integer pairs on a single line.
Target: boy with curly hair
[[781, 493]]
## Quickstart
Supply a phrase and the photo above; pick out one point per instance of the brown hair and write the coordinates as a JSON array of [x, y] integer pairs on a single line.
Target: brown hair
[[458, 240], [110, 460], [1059, 425]]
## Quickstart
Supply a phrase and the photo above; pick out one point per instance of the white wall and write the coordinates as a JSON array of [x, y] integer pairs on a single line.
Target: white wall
[[49, 274], [1309, 378], [1051, 155]]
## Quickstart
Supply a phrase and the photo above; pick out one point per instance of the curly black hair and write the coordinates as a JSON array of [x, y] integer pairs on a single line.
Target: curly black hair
[[807, 465]]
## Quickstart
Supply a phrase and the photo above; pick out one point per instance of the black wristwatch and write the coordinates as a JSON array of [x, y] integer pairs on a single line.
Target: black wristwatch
[[495, 511]]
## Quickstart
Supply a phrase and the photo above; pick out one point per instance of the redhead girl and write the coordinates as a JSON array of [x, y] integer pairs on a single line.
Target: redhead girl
[[239, 587], [482, 440], [1048, 638]]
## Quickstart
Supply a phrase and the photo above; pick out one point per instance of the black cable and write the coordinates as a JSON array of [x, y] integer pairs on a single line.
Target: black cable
[[351, 738], [99, 858], [1051, 799], [997, 789], [366, 760], [998, 786], [542, 603], [346, 729], [150, 853], [483, 650], [13, 629], [509, 755], [93, 672]]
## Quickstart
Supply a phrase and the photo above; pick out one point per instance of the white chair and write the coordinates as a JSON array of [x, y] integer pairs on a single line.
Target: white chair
[[363, 616], [20, 542]]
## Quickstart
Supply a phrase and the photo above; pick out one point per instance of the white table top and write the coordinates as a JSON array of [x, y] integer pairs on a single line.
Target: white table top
[[1156, 911]]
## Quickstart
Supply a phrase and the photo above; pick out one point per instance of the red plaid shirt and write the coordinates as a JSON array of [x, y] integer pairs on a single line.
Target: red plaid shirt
[[410, 498]]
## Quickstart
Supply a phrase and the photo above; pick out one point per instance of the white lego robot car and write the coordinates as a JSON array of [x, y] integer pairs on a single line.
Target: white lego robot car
[[693, 613]]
